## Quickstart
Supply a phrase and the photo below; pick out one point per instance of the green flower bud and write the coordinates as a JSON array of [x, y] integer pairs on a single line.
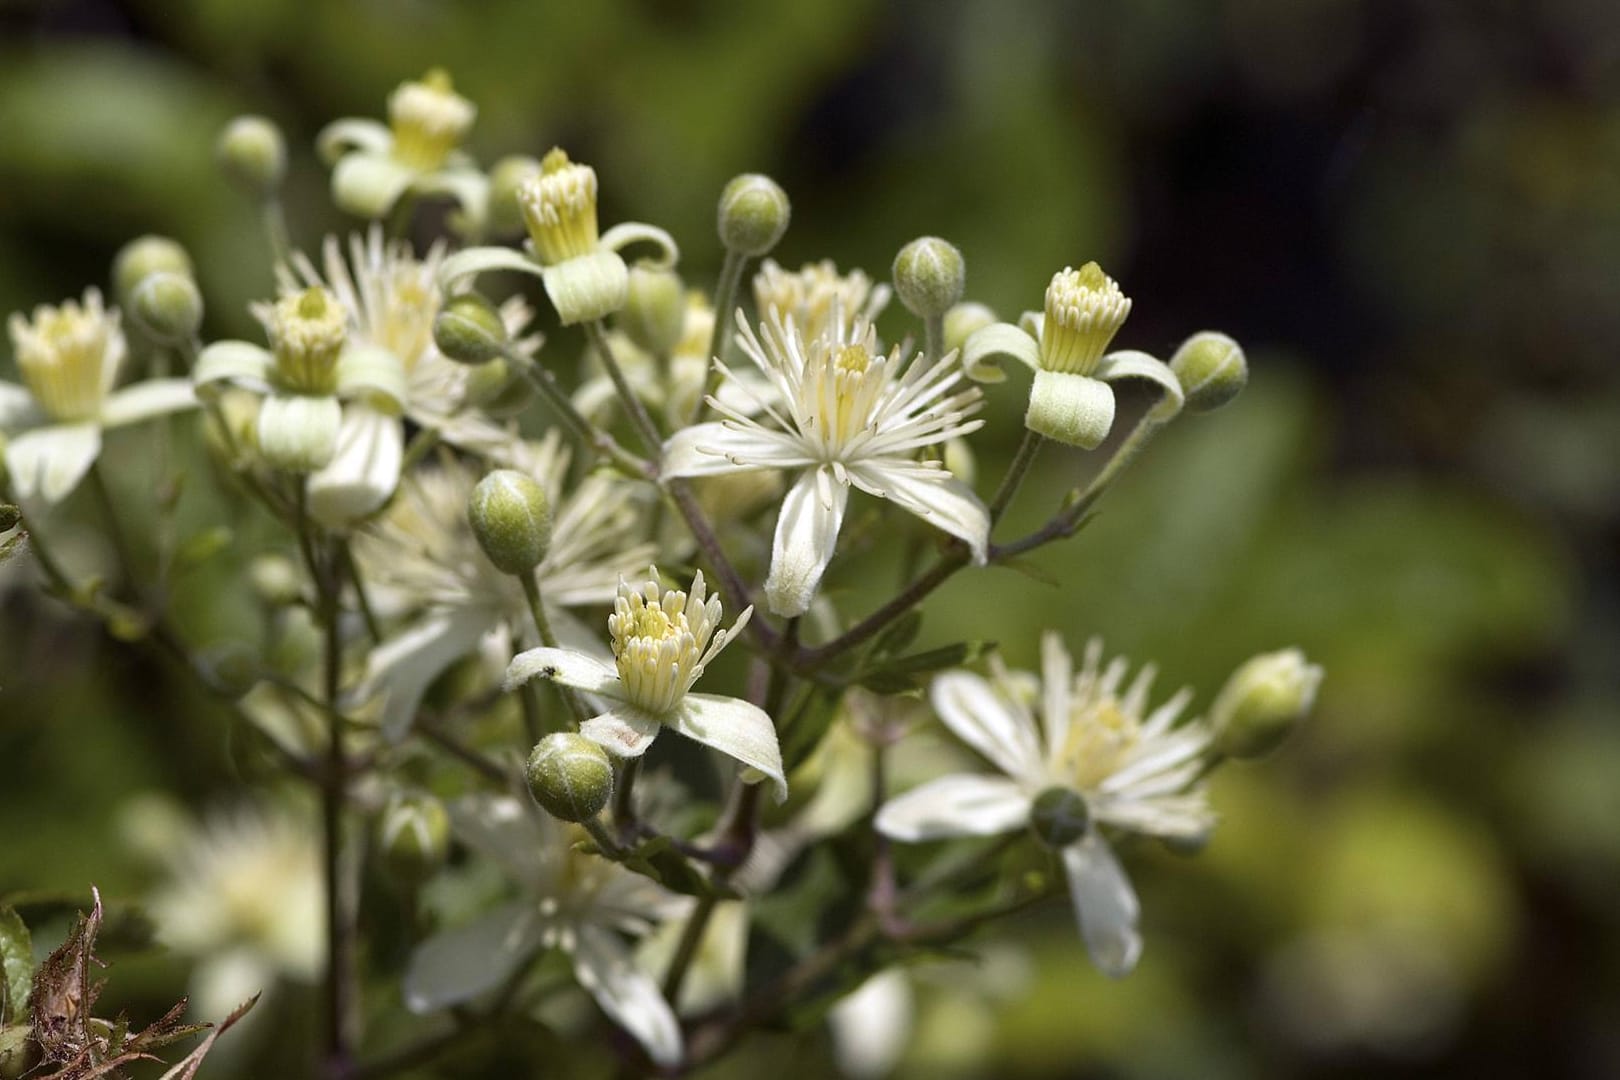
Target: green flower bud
[[570, 776], [414, 836], [929, 276], [754, 213], [654, 313], [168, 307], [231, 668], [470, 330], [499, 388], [1059, 817], [963, 319], [253, 155], [276, 581], [508, 175], [1212, 370], [1262, 701], [10, 516], [141, 258], [511, 517]]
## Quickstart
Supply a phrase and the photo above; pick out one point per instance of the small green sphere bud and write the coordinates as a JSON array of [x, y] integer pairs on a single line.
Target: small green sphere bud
[[1262, 702], [1059, 817], [654, 316], [168, 307], [253, 155], [470, 330], [276, 581], [141, 258], [1212, 370], [570, 776], [10, 516], [963, 320], [929, 276], [511, 517], [414, 836], [754, 213], [508, 175]]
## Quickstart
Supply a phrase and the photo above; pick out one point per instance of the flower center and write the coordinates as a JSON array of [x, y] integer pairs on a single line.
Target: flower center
[[559, 208], [655, 645], [66, 356], [811, 295], [1084, 309], [1101, 736], [429, 120], [404, 324], [847, 382], [307, 332]]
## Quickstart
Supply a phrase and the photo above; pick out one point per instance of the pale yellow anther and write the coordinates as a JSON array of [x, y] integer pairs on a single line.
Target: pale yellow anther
[[661, 640], [429, 120], [1084, 310], [559, 209], [67, 355], [307, 332]]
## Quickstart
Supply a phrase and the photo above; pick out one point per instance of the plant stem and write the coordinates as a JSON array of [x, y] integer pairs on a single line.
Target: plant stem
[[624, 803], [605, 445], [731, 582], [115, 530], [725, 309], [596, 334], [687, 949], [1017, 469], [542, 626], [362, 600], [275, 228], [954, 558], [934, 337]]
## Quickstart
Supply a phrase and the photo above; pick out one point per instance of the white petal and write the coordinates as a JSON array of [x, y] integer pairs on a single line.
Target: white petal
[[1132, 364], [17, 408], [342, 137], [961, 805], [630, 232], [988, 722], [363, 473], [806, 534], [239, 363], [404, 666], [455, 966], [1105, 904], [371, 373], [723, 446], [1076, 410], [298, 433], [1057, 684], [463, 266], [368, 184], [999, 341], [570, 667], [624, 731], [933, 495], [871, 1027], [735, 728], [517, 835], [628, 995], [142, 401], [49, 462]]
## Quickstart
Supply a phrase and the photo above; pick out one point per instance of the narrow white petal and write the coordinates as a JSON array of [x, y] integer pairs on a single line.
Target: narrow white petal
[[735, 728], [984, 719], [17, 408], [1105, 904], [404, 666], [625, 731], [986, 347], [806, 535], [961, 805], [143, 401], [871, 1027], [455, 966], [516, 834], [349, 134], [363, 473], [725, 446], [1132, 364], [569, 667], [933, 495], [368, 184], [1057, 684], [630, 996], [49, 462], [239, 363]]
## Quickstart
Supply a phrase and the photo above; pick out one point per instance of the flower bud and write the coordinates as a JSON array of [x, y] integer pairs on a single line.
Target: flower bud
[[1212, 370], [414, 836], [141, 258], [1262, 701], [654, 314], [499, 388], [511, 517], [558, 206], [754, 213], [570, 776], [1059, 817], [253, 155], [963, 319], [508, 175], [168, 307], [276, 581], [929, 276], [470, 330]]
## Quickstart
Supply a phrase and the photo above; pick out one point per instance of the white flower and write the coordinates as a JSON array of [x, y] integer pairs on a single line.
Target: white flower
[[817, 296], [1134, 770], [421, 556], [50, 426], [848, 415], [662, 640], [574, 902]]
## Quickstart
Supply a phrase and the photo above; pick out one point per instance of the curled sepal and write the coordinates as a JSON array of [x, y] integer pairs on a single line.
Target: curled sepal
[[233, 363], [1132, 364], [986, 347], [372, 373], [341, 136], [298, 433], [587, 287], [462, 267], [368, 184], [623, 235], [1077, 410]]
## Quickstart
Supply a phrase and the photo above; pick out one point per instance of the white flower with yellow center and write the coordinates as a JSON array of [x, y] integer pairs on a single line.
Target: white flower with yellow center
[[1071, 399], [416, 152], [1097, 757], [584, 274], [662, 640], [850, 416], [50, 426], [817, 295], [329, 406], [422, 559], [577, 903]]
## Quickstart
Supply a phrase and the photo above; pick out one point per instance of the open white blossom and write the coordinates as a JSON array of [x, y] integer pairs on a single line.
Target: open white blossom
[[662, 641], [1133, 769], [571, 901], [50, 426], [848, 415], [817, 296]]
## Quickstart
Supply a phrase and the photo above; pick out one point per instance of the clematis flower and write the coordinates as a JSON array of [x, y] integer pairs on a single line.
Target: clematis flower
[[662, 641], [577, 903], [416, 152], [1098, 757], [817, 295], [848, 415], [51, 425], [1071, 399]]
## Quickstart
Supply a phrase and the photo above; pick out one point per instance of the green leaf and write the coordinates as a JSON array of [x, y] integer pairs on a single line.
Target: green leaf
[[904, 673], [659, 860], [16, 964], [902, 632]]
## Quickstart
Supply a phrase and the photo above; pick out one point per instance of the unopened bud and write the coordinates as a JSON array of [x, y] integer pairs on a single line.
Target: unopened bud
[[168, 307], [141, 258], [253, 155], [754, 213], [570, 776], [511, 517], [508, 175], [1212, 370], [414, 836], [470, 330], [1059, 817], [654, 314], [1262, 702], [929, 276]]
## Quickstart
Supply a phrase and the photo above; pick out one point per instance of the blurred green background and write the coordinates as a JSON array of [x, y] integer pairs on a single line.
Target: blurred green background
[[1409, 213]]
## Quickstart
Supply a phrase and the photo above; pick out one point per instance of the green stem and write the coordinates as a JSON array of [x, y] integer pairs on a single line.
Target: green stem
[[362, 599], [275, 228], [934, 337], [1017, 469], [605, 445], [596, 334], [542, 626], [686, 949], [725, 313], [624, 803]]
